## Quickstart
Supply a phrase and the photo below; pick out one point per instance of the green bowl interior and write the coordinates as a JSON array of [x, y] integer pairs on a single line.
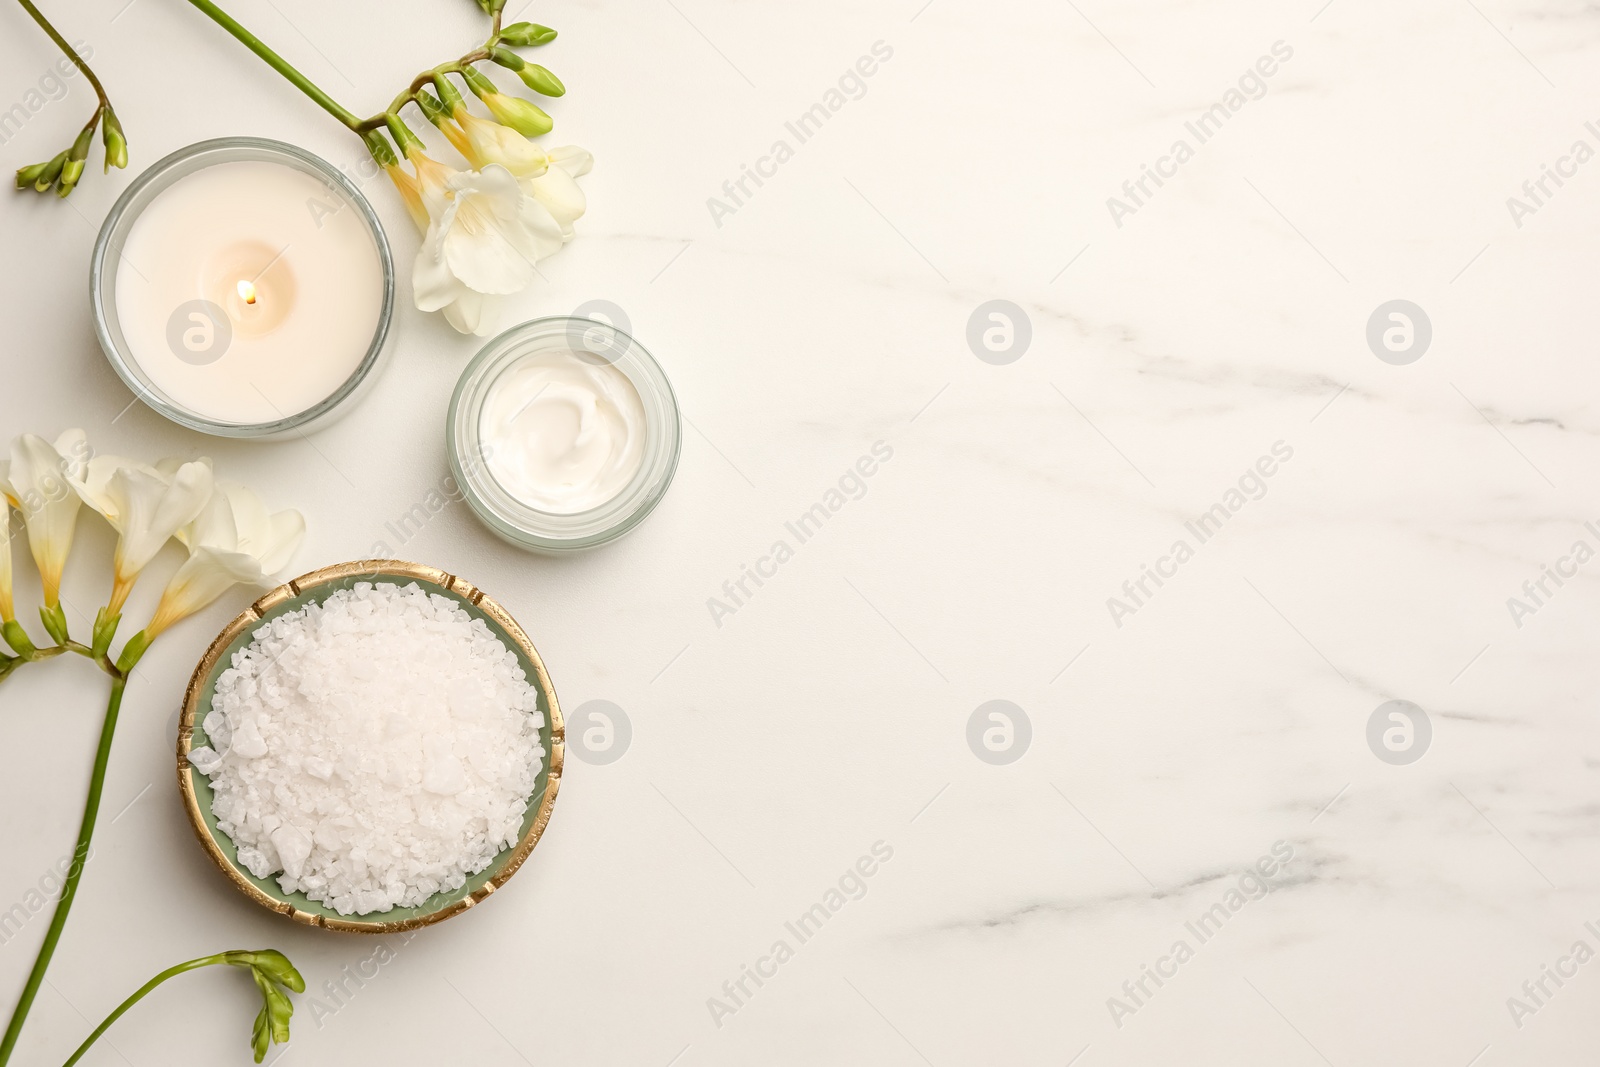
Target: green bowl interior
[[269, 885]]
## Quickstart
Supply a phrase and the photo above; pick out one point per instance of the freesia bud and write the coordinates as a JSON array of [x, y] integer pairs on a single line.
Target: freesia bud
[[408, 141], [432, 109], [541, 80], [41, 175], [51, 176], [527, 34], [520, 115], [70, 173], [507, 58], [270, 962], [527, 119], [116, 143], [272, 1024], [449, 94], [72, 169]]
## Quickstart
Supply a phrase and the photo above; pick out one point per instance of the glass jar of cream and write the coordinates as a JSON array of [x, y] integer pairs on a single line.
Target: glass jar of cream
[[563, 434]]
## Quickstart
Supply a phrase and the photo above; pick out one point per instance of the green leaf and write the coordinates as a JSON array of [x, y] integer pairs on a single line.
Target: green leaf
[[105, 629], [17, 638], [136, 647]]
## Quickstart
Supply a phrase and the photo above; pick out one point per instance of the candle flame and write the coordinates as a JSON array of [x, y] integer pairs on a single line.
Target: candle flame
[[247, 292]]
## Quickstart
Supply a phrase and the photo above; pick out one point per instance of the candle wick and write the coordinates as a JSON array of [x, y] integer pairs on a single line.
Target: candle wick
[[247, 292]]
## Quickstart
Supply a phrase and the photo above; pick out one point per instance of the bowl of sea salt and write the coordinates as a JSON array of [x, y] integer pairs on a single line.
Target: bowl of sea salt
[[372, 747]]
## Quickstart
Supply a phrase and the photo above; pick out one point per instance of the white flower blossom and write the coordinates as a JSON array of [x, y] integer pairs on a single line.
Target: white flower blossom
[[146, 505], [234, 540], [37, 480]]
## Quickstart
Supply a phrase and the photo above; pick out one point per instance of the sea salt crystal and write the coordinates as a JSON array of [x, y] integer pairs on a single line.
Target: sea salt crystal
[[373, 749]]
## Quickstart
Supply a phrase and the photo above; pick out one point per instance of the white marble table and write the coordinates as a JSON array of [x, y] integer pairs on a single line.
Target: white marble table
[[1175, 739]]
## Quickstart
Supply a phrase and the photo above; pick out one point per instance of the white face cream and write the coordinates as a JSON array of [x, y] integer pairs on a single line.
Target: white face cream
[[562, 433]]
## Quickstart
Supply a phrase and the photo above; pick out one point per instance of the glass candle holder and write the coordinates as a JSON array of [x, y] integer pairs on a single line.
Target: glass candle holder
[[605, 349], [244, 288]]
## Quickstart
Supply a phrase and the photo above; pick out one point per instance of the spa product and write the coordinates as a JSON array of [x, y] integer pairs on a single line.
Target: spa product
[[373, 749], [243, 288], [563, 434]]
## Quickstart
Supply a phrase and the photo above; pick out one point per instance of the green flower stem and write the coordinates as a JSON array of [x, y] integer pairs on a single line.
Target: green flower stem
[[421, 83], [138, 995], [351, 121], [279, 64], [91, 810], [9, 664], [77, 60]]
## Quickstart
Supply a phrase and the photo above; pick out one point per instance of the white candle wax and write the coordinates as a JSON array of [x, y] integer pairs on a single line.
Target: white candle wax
[[249, 291]]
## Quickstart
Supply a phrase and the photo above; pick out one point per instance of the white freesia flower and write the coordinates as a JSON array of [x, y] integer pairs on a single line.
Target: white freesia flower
[[485, 234], [37, 480], [146, 505], [233, 540]]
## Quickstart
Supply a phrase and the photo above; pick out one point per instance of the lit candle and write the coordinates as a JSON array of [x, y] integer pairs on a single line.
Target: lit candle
[[247, 292]]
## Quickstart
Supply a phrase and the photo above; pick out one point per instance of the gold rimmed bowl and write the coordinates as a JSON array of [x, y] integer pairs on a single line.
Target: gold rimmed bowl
[[313, 588]]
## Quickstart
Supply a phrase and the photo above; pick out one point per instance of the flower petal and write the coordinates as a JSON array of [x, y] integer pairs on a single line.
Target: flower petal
[[92, 486], [560, 195], [572, 159], [204, 576], [213, 527], [433, 286], [151, 509], [41, 479], [233, 540], [485, 251], [286, 533], [493, 143], [472, 313]]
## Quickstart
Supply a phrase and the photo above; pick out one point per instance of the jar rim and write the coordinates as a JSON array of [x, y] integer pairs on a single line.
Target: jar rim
[[528, 527]]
